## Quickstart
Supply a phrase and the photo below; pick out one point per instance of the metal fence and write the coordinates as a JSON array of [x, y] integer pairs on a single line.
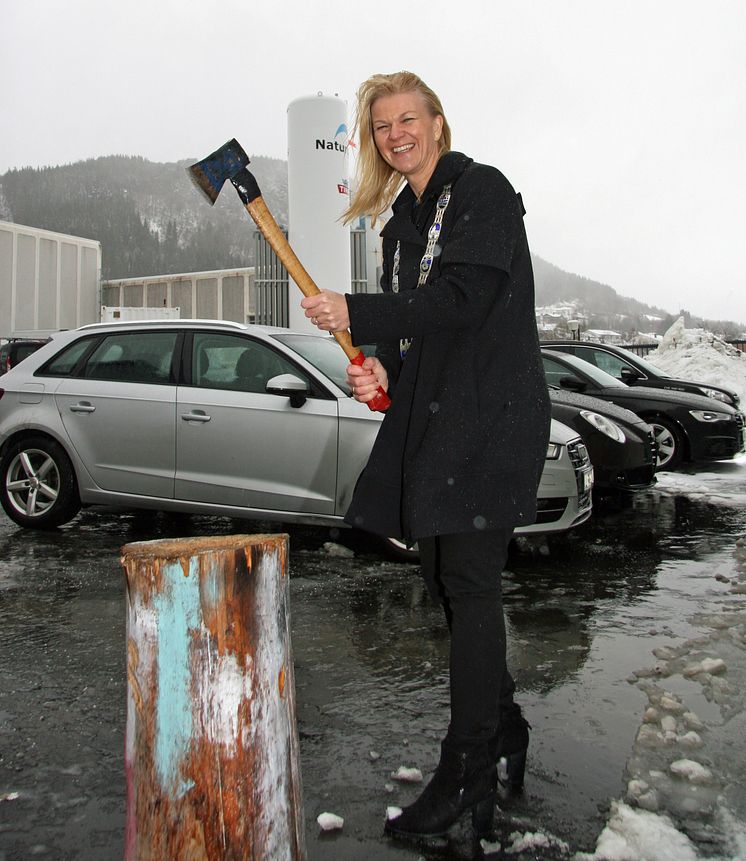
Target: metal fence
[[271, 279], [643, 349], [270, 285]]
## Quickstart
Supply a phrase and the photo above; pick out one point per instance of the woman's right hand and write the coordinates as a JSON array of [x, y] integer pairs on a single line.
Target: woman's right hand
[[365, 379]]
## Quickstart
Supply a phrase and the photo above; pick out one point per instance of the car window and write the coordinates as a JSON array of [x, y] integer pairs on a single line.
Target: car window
[[236, 363], [643, 364], [324, 354], [584, 370], [64, 362], [554, 372], [601, 359], [133, 357], [25, 350]]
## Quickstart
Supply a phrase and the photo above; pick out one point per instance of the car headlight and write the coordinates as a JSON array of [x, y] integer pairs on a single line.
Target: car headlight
[[554, 450], [718, 395], [709, 416], [606, 426]]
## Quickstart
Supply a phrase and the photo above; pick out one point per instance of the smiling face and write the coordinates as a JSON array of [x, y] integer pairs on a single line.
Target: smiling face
[[407, 135]]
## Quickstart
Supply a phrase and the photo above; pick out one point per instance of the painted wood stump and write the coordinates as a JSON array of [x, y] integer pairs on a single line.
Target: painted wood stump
[[212, 760]]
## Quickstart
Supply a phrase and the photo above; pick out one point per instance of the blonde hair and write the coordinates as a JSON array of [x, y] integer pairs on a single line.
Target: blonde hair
[[376, 181]]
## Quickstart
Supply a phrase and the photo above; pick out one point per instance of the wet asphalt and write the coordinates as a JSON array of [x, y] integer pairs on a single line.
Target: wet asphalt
[[585, 612]]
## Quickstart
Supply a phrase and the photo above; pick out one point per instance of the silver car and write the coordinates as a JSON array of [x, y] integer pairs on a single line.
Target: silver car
[[207, 417]]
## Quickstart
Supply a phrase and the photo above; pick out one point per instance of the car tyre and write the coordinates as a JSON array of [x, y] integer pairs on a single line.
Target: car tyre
[[669, 441], [38, 489]]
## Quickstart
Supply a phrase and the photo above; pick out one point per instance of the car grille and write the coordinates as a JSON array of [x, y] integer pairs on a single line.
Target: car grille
[[580, 461], [550, 508]]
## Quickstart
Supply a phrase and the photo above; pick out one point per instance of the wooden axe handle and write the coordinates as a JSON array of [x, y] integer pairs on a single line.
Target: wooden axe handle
[[271, 231]]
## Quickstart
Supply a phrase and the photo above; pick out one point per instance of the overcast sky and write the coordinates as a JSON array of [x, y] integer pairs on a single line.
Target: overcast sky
[[622, 122]]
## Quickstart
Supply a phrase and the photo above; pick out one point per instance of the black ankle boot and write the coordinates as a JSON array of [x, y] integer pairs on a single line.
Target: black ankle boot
[[511, 743], [465, 779]]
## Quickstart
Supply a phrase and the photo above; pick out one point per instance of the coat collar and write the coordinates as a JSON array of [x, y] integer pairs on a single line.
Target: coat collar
[[401, 226], [449, 167]]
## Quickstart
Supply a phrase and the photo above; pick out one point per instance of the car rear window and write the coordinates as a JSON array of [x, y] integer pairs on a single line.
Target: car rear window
[[64, 362], [133, 357]]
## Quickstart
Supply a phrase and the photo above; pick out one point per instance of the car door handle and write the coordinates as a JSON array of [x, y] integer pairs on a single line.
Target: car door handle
[[195, 417], [83, 407]]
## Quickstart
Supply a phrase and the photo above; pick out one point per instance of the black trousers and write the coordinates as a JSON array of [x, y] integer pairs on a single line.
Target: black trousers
[[463, 573]]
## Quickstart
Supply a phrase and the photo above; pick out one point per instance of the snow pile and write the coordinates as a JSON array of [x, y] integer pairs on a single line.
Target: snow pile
[[534, 841], [700, 356], [636, 835]]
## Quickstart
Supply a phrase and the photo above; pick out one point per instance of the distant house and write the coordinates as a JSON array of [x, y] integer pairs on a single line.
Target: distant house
[[602, 336], [647, 338]]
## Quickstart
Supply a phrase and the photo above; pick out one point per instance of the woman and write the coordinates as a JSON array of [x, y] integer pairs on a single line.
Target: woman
[[459, 455]]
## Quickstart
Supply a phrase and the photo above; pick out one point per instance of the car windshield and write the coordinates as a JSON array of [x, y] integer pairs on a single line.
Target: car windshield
[[599, 377], [323, 353], [646, 366]]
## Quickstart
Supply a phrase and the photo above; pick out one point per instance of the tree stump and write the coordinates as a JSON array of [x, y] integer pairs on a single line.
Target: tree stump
[[212, 760]]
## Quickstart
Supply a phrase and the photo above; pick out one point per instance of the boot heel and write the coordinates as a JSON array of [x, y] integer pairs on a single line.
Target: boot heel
[[516, 769], [483, 816]]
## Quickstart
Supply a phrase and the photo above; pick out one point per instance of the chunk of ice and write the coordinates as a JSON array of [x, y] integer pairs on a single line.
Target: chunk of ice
[[334, 549], [690, 739], [690, 770], [671, 704], [330, 821], [407, 775], [692, 721]]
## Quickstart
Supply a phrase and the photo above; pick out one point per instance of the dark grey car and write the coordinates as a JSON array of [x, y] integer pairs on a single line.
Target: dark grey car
[[635, 371], [621, 445]]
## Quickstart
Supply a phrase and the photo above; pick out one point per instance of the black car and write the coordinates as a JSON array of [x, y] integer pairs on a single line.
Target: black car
[[17, 349], [687, 427], [631, 369], [621, 445]]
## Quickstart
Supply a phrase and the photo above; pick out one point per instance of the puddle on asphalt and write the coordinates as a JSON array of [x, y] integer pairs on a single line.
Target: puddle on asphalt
[[584, 612]]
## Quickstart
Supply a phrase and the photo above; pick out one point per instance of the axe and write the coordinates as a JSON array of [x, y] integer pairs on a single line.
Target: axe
[[229, 162]]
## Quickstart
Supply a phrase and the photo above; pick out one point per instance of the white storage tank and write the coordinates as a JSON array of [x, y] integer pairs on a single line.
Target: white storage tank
[[318, 194]]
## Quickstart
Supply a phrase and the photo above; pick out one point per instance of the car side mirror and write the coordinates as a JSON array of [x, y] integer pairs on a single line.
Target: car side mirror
[[291, 387], [573, 384], [630, 374]]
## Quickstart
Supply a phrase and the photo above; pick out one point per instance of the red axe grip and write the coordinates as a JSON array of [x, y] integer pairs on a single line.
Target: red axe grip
[[381, 402]]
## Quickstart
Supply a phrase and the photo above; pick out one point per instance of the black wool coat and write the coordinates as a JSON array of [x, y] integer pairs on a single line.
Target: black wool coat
[[463, 445]]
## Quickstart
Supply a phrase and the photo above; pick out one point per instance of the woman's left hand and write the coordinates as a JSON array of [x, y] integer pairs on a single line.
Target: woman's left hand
[[327, 310]]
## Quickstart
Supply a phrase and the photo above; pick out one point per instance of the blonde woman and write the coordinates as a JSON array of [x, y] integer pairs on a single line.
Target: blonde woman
[[460, 452]]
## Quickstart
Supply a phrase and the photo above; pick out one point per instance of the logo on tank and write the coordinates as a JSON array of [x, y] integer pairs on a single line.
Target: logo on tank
[[339, 142]]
